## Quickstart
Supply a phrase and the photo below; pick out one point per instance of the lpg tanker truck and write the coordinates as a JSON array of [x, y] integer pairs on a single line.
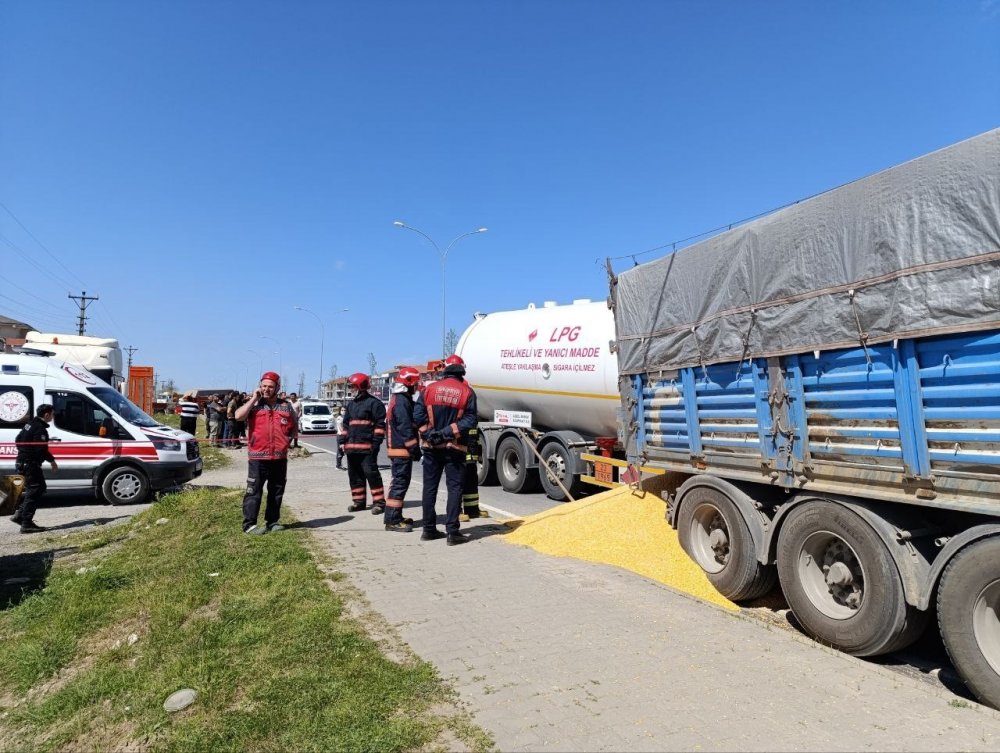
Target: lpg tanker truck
[[553, 368]]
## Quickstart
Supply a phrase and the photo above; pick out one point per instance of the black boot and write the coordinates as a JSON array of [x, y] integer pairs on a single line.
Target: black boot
[[28, 526], [458, 538]]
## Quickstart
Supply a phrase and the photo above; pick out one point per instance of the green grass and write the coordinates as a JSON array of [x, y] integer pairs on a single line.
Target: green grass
[[213, 457], [266, 644]]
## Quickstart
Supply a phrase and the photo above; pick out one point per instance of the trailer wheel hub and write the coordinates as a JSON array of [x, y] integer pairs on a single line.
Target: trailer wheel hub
[[719, 542]]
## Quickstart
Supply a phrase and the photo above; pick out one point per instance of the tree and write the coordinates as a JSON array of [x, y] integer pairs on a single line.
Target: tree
[[169, 386], [450, 342]]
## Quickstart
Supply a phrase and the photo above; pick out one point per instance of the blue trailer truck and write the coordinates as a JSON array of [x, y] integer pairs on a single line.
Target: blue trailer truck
[[822, 387]]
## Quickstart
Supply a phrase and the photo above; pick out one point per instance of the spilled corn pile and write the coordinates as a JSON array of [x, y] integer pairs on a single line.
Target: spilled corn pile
[[618, 527]]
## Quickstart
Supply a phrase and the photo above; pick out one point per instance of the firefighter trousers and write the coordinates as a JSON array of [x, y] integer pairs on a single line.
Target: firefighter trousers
[[452, 465], [362, 468], [402, 472]]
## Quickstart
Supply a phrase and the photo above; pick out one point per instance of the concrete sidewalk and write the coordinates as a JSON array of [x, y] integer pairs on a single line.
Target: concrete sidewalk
[[555, 654]]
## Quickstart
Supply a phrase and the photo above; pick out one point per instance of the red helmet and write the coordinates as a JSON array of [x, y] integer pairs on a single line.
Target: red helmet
[[359, 381], [454, 365], [409, 376]]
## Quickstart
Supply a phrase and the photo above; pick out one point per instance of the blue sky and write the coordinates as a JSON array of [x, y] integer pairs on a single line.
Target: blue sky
[[204, 167]]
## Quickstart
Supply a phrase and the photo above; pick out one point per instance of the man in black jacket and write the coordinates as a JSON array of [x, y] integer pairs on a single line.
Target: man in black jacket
[[33, 450]]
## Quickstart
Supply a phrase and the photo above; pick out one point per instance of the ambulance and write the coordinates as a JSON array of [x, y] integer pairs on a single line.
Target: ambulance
[[100, 440]]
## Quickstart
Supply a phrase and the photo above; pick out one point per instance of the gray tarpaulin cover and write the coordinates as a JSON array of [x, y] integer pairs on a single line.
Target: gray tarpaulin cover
[[910, 251]]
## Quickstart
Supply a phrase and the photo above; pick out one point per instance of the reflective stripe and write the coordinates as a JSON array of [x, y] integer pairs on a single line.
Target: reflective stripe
[[411, 442], [397, 503], [397, 453], [357, 446], [361, 422]]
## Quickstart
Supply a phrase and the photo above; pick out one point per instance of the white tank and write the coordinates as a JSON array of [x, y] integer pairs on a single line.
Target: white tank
[[554, 361]]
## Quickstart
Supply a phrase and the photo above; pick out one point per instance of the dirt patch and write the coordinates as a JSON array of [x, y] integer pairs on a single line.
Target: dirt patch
[[209, 611]]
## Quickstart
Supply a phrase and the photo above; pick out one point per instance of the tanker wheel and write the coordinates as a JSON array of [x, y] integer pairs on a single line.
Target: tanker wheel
[[841, 583], [512, 467], [486, 471], [713, 533], [558, 462], [969, 617]]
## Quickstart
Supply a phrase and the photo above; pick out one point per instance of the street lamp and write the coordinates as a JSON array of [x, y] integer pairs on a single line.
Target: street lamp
[[322, 338], [444, 260], [278, 351]]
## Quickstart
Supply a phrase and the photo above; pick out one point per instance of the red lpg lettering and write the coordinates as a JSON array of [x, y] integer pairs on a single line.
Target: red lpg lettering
[[569, 333]]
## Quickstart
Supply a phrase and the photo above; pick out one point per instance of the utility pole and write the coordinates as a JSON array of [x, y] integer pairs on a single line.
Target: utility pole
[[83, 300], [130, 350]]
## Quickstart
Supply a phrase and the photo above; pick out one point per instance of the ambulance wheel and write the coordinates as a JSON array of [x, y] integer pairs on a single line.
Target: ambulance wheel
[[125, 485], [512, 467]]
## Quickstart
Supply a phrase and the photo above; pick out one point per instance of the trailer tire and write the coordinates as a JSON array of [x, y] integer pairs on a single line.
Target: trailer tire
[[486, 471], [841, 583], [512, 467], [560, 460], [714, 534], [125, 485], [968, 604]]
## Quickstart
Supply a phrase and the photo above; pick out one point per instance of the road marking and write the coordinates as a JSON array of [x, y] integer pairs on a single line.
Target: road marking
[[491, 508], [318, 448]]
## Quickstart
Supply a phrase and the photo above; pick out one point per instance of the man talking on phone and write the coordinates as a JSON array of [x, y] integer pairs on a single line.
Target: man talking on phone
[[271, 427]]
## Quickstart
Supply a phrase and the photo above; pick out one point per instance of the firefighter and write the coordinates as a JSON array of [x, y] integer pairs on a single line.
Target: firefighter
[[445, 416], [362, 435], [404, 447]]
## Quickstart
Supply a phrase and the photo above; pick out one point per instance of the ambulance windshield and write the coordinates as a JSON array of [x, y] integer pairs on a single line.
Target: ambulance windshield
[[122, 406]]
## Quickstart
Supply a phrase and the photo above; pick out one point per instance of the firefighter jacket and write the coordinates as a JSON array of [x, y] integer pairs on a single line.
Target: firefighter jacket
[[401, 429], [270, 429], [446, 414], [364, 425], [33, 443]]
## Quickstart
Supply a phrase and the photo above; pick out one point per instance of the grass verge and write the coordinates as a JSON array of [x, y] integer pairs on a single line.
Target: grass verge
[[249, 622], [213, 457]]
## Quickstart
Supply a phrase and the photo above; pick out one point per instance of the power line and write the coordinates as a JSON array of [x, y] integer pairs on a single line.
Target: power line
[[33, 294], [43, 246], [24, 255]]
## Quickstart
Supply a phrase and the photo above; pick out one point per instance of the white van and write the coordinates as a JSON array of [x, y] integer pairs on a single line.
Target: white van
[[100, 440], [315, 417]]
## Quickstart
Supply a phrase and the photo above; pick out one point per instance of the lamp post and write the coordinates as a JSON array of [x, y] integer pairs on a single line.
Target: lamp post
[[322, 338], [444, 261], [278, 351]]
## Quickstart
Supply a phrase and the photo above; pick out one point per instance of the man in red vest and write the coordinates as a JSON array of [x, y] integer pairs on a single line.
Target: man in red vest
[[271, 427]]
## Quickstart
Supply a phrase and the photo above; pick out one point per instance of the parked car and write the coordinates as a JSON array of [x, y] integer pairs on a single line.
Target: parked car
[[315, 417]]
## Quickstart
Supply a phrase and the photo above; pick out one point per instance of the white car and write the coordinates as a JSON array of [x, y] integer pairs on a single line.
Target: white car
[[316, 417]]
